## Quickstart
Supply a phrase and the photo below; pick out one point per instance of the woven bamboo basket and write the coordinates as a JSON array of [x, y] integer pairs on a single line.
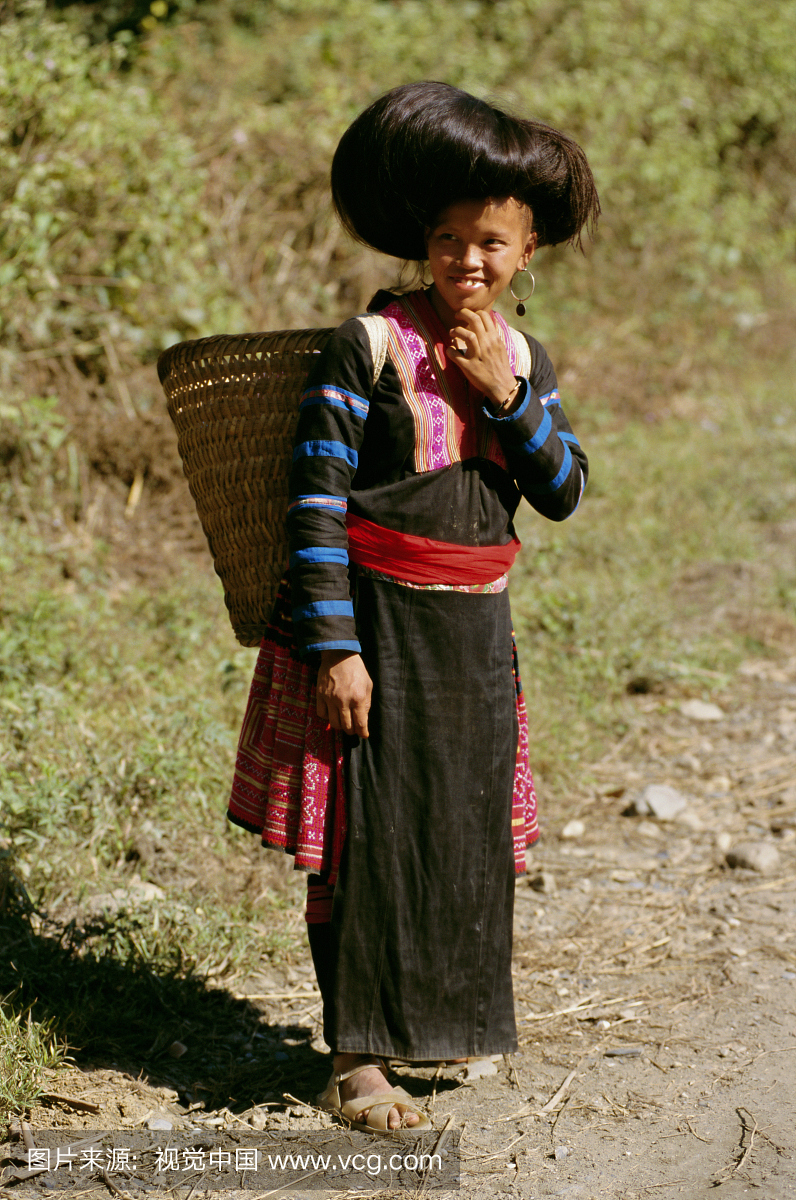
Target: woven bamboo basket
[[234, 402]]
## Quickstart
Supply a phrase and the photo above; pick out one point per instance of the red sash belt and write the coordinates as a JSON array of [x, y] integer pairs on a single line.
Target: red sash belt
[[423, 560]]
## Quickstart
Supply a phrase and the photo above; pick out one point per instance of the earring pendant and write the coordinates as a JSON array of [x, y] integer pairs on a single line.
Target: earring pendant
[[521, 299]]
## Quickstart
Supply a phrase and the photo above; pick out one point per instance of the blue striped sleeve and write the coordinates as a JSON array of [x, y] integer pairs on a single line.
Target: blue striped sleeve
[[542, 453], [337, 397], [553, 397], [337, 504], [525, 388], [354, 646], [540, 437], [566, 466], [319, 554], [331, 427], [324, 608], [326, 450]]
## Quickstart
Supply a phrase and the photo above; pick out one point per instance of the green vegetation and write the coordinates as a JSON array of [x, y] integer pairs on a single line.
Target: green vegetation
[[125, 889], [669, 574], [27, 1049], [187, 193], [162, 176]]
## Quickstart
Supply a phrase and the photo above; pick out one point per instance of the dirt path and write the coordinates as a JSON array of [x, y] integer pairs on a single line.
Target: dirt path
[[678, 972], [655, 988]]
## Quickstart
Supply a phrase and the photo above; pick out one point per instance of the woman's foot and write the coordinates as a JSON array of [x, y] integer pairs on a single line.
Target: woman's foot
[[371, 1082]]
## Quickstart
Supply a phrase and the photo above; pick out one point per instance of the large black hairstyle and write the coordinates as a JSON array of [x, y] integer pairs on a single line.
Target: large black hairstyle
[[424, 146]]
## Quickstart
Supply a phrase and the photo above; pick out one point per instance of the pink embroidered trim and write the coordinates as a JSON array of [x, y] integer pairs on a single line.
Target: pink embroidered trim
[[426, 385]]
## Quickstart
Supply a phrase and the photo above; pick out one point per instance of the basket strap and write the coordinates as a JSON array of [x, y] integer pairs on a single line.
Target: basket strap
[[523, 353], [376, 328]]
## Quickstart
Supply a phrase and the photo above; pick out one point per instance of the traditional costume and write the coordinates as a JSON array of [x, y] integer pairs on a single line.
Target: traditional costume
[[403, 492]]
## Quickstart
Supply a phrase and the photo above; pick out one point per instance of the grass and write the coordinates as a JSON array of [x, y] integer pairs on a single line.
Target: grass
[[119, 711], [120, 705], [666, 575], [27, 1049]]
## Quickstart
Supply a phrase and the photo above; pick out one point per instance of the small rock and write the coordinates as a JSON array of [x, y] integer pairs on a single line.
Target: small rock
[[701, 710], [573, 830], [754, 856], [561, 1153], [690, 820], [544, 881], [159, 1123], [661, 801], [258, 1120], [177, 1049], [723, 841], [141, 893], [477, 1068], [648, 830]]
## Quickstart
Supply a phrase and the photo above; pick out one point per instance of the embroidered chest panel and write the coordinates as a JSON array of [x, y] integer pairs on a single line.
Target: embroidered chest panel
[[450, 425]]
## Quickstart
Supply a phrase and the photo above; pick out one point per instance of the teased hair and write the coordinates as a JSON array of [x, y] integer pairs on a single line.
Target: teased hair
[[424, 146]]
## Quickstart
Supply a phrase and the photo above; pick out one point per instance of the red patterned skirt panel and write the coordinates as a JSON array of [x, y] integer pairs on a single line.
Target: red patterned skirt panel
[[524, 815], [289, 785]]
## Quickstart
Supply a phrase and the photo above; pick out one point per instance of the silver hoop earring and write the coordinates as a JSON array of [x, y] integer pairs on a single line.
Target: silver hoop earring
[[521, 299]]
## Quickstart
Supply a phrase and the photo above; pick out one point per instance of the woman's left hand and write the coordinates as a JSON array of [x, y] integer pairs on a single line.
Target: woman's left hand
[[478, 351]]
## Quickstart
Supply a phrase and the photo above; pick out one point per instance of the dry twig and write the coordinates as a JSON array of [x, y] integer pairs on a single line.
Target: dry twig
[[111, 1186], [71, 1102], [698, 1136], [748, 1149], [558, 1115], [437, 1074], [282, 1187], [559, 1095], [307, 995]]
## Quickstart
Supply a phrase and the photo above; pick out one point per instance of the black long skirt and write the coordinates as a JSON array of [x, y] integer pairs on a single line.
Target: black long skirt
[[422, 916]]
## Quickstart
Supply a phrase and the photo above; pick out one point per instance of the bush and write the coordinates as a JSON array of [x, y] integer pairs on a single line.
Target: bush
[[188, 194], [687, 110], [103, 228]]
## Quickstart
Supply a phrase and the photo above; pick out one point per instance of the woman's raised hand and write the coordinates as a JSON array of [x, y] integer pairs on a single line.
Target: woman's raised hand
[[479, 353], [343, 692]]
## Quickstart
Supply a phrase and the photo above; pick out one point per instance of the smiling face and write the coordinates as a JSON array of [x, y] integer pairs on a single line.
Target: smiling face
[[473, 251]]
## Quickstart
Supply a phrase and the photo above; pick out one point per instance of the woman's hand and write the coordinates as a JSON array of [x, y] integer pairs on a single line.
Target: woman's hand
[[343, 692], [479, 353]]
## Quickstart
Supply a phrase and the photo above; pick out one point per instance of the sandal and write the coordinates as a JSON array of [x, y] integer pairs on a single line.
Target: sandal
[[378, 1106]]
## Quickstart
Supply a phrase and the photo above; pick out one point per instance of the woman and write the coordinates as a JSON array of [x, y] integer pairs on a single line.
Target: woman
[[419, 431]]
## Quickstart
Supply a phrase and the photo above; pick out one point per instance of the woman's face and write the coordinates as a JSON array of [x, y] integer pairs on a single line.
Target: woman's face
[[473, 251]]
